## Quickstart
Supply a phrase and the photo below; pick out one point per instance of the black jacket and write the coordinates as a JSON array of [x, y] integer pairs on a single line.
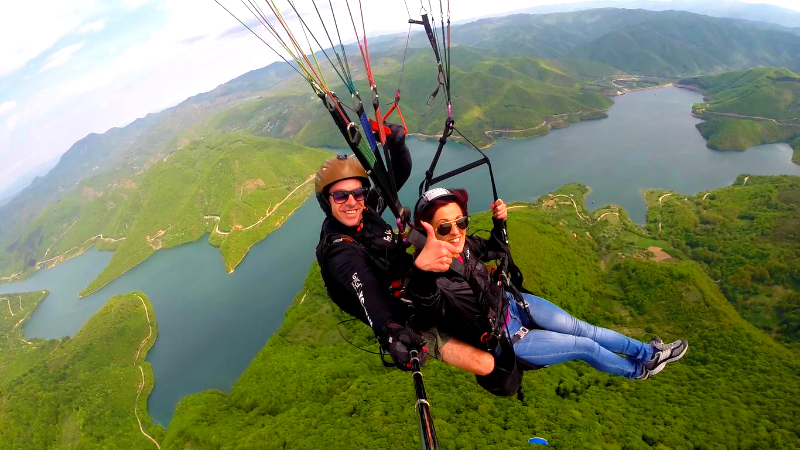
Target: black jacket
[[358, 264], [463, 305]]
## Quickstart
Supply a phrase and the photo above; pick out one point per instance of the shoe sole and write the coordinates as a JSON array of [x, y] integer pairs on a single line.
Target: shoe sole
[[658, 368]]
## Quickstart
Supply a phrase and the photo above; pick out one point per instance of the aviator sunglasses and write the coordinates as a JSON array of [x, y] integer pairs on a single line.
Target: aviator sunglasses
[[342, 196], [444, 228]]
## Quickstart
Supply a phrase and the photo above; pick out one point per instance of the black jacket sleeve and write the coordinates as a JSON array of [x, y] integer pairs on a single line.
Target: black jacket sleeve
[[401, 156], [429, 301], [347, 265]]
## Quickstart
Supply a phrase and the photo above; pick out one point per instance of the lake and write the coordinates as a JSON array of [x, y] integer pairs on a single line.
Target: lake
[[212, 324]]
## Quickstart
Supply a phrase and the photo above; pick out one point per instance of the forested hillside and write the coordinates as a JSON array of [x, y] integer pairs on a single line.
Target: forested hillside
[[747, 236], [751, 107], [736, 387], [89, 391]]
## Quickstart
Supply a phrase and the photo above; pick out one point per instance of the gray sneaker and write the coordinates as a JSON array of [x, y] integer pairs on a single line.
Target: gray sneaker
[[662, 355]]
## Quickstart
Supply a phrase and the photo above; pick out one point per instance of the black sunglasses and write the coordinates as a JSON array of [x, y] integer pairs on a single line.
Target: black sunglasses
[[342, 196], [444, 228]]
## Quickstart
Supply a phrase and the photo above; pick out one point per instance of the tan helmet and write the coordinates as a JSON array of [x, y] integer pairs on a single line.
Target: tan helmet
[[340, 167]]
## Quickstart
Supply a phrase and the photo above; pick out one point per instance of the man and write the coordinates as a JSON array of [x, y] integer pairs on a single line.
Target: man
[[361, 258]]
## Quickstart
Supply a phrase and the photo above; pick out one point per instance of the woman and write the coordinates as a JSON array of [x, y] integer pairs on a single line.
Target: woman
[[450, 300]]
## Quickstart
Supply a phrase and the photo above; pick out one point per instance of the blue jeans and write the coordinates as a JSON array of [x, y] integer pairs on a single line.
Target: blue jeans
[[559, 337]]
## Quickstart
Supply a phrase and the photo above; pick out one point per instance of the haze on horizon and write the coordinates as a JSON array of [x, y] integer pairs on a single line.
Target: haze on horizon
[[87, 66]]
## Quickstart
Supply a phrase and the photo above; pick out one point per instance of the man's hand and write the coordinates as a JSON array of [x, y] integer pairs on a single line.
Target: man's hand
[[499, 210], [401, 341], [437, 255]]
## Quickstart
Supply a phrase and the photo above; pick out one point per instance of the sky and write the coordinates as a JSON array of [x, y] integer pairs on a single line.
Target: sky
[[73, 67]]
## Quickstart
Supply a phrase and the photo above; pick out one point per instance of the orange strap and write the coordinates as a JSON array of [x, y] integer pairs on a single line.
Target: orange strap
[[395, 106]]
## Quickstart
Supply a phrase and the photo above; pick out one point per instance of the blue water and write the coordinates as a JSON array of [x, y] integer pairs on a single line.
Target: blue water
[[648, 141], [212, 324]]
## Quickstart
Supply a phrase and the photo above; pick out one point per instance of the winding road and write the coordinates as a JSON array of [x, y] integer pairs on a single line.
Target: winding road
[[141, 385]]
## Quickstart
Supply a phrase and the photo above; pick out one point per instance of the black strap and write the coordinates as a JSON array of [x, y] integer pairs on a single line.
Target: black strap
[[449, 126]]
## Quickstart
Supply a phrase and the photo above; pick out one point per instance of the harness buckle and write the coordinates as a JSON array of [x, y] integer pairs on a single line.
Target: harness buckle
[[519, 335]]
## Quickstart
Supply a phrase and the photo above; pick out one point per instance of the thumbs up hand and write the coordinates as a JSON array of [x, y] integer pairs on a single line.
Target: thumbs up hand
[[437, 255]]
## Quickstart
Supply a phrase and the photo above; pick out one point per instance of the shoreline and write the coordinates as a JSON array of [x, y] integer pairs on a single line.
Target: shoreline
[[86, 293]]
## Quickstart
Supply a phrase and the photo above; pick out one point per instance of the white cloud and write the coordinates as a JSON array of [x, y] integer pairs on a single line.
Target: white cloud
[[6, 107], [12, 122], [60, 57], [93, 27], [27, 29]]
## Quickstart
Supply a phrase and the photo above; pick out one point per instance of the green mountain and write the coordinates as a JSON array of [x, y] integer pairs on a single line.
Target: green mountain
[[666, 43], [758, 12], [747, 108], [89, 391], [674, 44], [308, 388], [542, 35]]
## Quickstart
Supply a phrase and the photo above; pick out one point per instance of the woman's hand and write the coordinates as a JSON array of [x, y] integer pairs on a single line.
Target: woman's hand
[[437, 255], [499, 210]]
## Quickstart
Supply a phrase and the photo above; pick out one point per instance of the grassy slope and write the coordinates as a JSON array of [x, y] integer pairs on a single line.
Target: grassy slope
[[770, 93], [307, 388], [746, 236], [79, 392]]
